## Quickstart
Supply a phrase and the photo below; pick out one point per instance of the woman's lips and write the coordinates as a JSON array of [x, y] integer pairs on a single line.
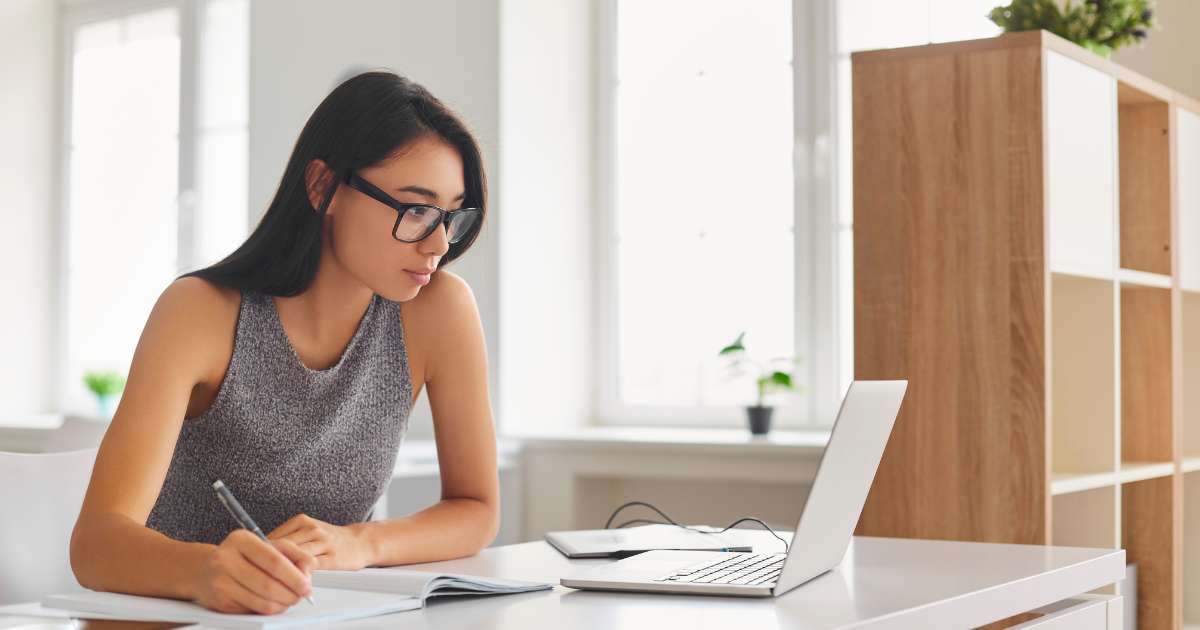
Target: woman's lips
[[420, 278]]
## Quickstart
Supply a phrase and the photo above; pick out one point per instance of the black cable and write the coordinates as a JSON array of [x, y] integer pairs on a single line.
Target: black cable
[[608, 524], [643, 504], [768, 527], [644, 521]]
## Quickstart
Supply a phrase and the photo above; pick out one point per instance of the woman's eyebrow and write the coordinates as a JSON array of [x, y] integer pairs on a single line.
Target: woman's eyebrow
[[425, 192]]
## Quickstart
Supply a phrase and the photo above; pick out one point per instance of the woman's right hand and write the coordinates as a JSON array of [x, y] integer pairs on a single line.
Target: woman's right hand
[[245, 574]]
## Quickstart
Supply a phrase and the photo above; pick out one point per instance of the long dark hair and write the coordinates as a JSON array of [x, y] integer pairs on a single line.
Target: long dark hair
[[363, 121]]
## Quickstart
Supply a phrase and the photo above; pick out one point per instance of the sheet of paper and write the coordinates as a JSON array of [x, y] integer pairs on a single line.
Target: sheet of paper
[[331, 605], [35, 609]]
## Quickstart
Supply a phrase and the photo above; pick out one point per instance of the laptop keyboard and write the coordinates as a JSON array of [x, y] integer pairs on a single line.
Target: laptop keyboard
[[747, 568]]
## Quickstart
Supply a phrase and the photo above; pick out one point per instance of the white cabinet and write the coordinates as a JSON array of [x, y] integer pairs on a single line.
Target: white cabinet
[[1187, 155], [1081, 127]]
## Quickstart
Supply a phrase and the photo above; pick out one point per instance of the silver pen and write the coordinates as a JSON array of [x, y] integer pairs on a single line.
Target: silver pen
[[240, 515]]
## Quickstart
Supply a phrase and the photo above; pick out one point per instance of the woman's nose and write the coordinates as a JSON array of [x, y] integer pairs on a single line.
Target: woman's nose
[[438, 242]]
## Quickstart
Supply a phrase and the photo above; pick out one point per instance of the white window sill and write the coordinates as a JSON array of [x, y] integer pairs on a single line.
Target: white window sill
[[698, 441], [418, 457], [48, 420]]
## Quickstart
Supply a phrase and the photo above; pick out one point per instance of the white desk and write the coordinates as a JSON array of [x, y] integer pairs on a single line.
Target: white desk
[[881, 583]]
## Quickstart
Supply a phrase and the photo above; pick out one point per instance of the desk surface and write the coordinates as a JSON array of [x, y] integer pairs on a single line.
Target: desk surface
[[881, 583]]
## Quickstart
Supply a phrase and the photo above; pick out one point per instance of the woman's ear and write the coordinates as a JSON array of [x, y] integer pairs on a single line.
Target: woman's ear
[[317, 179]]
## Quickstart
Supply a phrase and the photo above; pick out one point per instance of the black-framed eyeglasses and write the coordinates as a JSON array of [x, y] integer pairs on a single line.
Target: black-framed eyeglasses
[[416, 221]]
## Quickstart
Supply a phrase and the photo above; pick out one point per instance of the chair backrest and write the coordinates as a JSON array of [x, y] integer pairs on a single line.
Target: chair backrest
[[40, 497]]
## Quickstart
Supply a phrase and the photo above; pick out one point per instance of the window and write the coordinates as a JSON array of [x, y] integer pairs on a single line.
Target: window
[[154, 167], [725, 195], [701, 243]]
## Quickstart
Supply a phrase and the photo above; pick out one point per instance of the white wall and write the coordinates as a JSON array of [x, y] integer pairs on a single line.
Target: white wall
[[1170, 54], [546, 108], [28, 132], [298, 50]]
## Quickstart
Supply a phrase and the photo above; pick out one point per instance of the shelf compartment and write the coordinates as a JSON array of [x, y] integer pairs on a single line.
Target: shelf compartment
[[1146, 359], [1191, 548], [1086, 519], [1083, 375], [1190, 316], [1147, 535], [1144, 165]]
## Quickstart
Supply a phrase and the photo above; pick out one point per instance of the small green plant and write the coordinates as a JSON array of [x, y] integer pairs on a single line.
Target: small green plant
[[768, 375], [1101, 26], [104, 383]]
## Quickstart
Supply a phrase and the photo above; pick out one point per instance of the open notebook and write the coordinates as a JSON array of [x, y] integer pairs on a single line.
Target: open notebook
[[339, 596]]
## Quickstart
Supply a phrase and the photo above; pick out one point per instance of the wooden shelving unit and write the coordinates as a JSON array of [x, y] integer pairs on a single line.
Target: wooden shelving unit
[[1027, 254]]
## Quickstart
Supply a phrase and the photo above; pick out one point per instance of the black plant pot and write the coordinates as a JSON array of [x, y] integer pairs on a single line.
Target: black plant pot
[[760, 418]]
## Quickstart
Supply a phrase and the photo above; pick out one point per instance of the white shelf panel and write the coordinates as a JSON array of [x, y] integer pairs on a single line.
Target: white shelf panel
[[1080, 271], [1081, 167], [1143, 278], [1066, 483], [1187, 153], [1140, 471], [1191, 464]]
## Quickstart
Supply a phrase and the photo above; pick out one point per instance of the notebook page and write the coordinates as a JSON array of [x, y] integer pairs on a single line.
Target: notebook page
[[419, 583], [331, 605], [378, 579]]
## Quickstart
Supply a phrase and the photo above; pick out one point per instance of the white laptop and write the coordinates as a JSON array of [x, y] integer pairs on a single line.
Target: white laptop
[[821, 538]]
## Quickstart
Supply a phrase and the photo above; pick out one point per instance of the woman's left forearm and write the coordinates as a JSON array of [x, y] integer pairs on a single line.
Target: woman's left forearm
[[451, 528]]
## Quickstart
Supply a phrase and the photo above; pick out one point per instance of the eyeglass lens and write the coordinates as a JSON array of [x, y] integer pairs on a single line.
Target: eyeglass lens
[[419, 221]]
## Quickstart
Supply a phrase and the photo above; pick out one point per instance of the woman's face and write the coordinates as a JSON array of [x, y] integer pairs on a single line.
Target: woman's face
[[359, 228]]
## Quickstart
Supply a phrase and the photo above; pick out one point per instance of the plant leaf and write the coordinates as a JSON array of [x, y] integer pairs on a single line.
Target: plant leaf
[[736, 346]]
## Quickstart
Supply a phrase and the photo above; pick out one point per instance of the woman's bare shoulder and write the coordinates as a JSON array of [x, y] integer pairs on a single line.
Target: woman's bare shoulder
[[199, 305], [198, 318], [440, 300], [446, 317]]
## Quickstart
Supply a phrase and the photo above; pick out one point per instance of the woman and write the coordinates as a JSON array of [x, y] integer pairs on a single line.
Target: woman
[[287, 372]]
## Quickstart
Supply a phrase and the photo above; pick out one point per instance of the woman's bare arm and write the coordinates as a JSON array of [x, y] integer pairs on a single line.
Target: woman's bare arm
[[468, 516], [111, 548]]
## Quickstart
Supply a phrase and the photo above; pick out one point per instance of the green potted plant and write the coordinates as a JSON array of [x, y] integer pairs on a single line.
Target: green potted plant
[[1101, 26], [769, 376], [107, 385]]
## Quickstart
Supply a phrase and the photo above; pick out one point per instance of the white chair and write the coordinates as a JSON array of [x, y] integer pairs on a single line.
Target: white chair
[[40, 497], [76, 432]]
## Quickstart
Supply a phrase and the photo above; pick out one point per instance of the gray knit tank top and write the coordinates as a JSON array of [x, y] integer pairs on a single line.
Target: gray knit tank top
[[287, 439]]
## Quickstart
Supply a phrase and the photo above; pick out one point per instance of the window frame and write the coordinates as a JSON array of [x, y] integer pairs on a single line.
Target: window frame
[[817, 318]]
